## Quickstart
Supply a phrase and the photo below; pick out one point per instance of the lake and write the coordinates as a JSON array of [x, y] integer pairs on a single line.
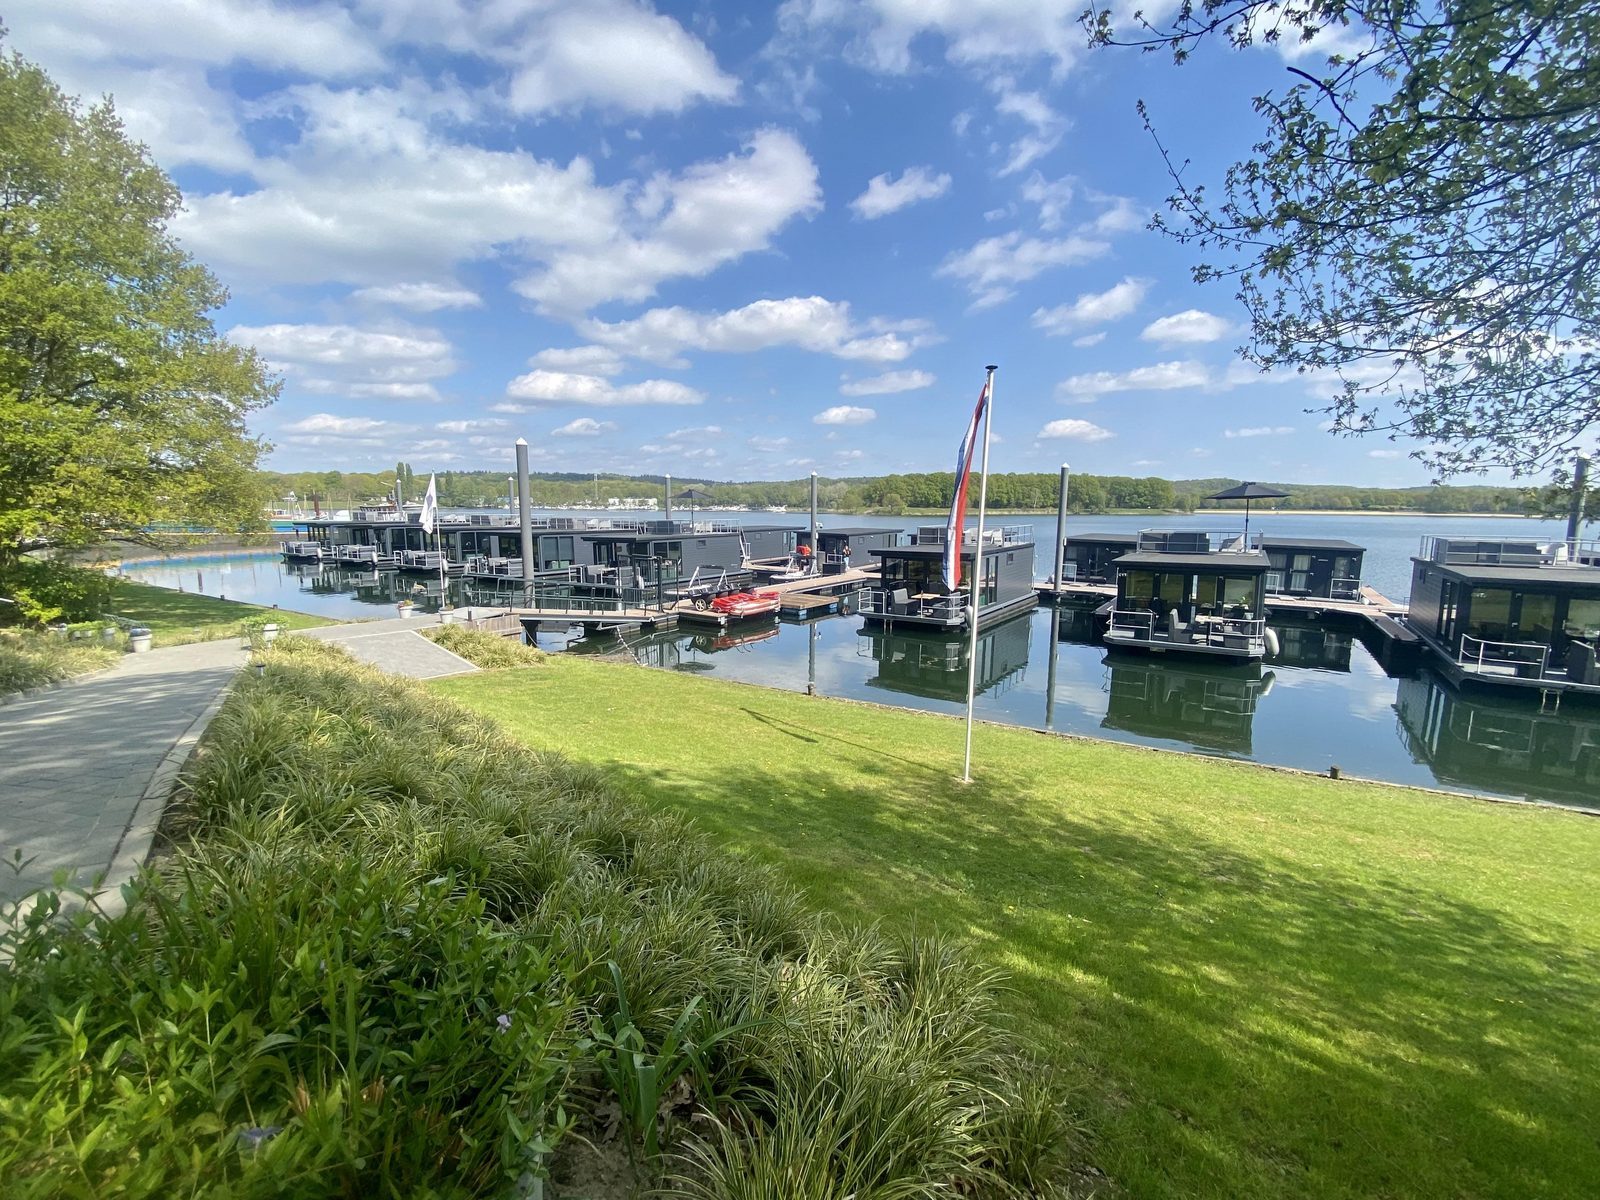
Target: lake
[[1325, 701]]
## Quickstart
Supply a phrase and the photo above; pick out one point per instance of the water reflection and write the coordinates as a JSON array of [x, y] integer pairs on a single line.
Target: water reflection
[[921, 664], [1500, 745], [1209, 706]]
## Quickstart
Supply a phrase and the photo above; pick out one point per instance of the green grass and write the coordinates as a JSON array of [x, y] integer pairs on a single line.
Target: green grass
[[175, 618], [30, 660], [1270, 984], [483, 649]]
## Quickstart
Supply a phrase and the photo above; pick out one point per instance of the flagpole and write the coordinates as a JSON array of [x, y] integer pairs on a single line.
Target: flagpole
[[977, 573]]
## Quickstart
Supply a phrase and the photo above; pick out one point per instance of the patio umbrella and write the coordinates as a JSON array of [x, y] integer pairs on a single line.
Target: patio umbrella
[[1248, 492], [693, 496]]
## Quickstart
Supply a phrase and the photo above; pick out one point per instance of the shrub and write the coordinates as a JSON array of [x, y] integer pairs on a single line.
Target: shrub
[[482, 648], [365, 879], [29, 660]]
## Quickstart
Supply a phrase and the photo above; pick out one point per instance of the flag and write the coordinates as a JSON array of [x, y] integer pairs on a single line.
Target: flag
[[954, 527], [430, 507]]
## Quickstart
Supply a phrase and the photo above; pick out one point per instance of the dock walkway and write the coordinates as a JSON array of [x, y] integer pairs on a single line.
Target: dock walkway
[[395, 646], [85, 768]]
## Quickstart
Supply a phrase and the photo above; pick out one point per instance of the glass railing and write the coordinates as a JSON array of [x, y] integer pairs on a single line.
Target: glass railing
[[1521, 552]]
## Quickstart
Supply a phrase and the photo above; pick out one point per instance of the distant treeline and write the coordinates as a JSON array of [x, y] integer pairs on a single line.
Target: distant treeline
[[894, 493]]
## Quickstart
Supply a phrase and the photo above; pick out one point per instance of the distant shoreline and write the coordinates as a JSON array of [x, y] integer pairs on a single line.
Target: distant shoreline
[[1255, 513]]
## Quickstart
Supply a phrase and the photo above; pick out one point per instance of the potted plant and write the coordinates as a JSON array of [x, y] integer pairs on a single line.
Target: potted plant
[[139, 639]]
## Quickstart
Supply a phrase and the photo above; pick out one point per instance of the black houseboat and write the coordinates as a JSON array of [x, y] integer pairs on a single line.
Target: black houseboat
[[1510, 613], [669, 552], [1211, 706], [1313, 568], [912, 590], [1190, 592]]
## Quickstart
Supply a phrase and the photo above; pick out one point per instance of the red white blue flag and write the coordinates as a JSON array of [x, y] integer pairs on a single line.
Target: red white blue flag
[[955, 526]]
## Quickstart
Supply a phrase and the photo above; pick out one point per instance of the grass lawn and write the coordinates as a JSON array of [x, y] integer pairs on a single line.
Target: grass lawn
[[1269, 984], [175, 617]]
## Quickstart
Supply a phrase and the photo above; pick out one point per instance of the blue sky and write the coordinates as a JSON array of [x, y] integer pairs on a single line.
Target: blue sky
[[711, 239]]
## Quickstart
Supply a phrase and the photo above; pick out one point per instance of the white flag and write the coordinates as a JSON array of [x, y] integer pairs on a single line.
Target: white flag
[[430, 507]]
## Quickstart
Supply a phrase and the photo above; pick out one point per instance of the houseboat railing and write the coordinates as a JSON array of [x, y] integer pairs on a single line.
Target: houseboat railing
[[1529, 660], [1221, 632], [1459, 551], [301, 549], [884, 602], [1340, 587], [1197, 541], [993, 535], [1345, 587]]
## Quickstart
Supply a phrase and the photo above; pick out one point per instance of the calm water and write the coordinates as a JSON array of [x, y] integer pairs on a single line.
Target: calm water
[[1325, 701]]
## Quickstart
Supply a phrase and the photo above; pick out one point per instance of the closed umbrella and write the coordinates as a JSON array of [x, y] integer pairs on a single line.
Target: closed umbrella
[[1248, 492]]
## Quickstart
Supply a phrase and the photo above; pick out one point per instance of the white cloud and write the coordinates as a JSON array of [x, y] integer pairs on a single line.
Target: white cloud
[[330, 425], [1386, 453], [972, 33], [888, 382], [1075, 430], [1156, 378], [1046, 126], [695, 431], [319, 40], [559, 387], [588, 360], [584, 427], [844, 414], [393, 363], [849, 455], [1120, 215], [470, 426], [884, 196], [1190, 326], [767, 445], [1092, 308], [1052, 199], [1090, 339], [991, 267], [1259, 431], [684, 226], [807, 322], [614, 55], [422, 297]]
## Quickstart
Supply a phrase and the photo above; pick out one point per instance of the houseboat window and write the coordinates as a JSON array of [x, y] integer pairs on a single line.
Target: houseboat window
[[1140, 586], [1583, 619], [1536, 619], [1448, 594], [1489, 616], [1238, 590], [989, 589]]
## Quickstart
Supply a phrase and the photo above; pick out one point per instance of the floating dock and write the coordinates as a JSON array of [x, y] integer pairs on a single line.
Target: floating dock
[[805, 605]]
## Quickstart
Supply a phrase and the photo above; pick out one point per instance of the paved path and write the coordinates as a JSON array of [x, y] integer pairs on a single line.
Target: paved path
[[85, 769], [395, 646]]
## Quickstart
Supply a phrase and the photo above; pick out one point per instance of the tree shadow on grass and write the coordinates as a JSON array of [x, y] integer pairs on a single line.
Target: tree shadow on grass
[[1251, 1024]]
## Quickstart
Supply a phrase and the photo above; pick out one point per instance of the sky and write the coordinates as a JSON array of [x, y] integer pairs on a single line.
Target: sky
[[716, 240]]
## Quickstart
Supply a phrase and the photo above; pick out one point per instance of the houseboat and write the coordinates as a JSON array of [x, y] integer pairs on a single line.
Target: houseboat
[[1515, 614], [669, 551], [1191, 592], [919, 663], [912, 592], [1307, 568]]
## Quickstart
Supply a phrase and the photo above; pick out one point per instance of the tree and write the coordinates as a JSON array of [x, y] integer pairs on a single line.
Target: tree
[[1420, 218], [121, 406]]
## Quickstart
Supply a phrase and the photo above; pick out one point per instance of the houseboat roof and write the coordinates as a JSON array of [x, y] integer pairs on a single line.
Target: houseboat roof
[[1271, 543], [1561, 575], [1228, 560], [849, 530], [937, 551]]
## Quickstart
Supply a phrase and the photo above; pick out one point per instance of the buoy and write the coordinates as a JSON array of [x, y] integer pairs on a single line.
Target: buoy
[[1271, 638]]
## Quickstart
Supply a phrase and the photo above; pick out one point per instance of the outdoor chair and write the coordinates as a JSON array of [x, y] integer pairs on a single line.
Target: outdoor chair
[[900, 600]]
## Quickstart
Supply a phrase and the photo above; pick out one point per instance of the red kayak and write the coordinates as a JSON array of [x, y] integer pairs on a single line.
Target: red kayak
[[746, 604]]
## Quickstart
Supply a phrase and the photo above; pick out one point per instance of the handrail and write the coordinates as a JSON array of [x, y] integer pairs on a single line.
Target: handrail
[[1197, 541], [1521, 552], [993, 535], [1482, 655]]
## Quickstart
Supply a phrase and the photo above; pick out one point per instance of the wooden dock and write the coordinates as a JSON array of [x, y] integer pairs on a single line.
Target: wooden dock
[[624, 620], [804, 605]]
